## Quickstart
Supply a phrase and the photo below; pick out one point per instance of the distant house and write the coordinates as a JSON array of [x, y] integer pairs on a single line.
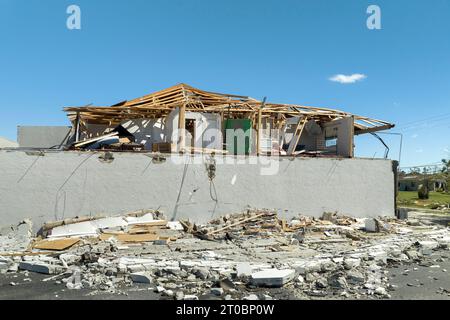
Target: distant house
[[411, 183], [440, 184]]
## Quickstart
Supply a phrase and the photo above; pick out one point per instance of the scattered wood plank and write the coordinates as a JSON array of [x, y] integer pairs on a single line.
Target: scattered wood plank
[[50, 225], [237, 223], [158, 223], [142, 231], [89, 141], [56, 245]]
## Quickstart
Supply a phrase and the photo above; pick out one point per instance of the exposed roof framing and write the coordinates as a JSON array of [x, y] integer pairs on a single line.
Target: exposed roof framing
[[161, 103]]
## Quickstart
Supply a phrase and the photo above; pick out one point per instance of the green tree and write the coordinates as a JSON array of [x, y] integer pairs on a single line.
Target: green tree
[[446, 166], [446, 171]]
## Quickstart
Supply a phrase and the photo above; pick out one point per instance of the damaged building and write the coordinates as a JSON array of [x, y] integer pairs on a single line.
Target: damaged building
[[195, 155]]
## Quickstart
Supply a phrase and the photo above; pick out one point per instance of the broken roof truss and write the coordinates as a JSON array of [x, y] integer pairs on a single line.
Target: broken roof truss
[[161, 103]]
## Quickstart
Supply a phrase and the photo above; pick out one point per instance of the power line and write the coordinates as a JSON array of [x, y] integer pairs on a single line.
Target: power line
[[425, 127], [423, 122], [406, 124]]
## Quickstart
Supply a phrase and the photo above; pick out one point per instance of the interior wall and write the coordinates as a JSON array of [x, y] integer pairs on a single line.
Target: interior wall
[[313, 136], [146, 131], [345, 135], [94, 130], [208, 129], [310, 135]]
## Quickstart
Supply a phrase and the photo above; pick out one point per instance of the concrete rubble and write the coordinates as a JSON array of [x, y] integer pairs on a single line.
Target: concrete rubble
[[250, 256]]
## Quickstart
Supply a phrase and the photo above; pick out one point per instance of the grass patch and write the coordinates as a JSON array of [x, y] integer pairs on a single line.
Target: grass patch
[[411, 199]]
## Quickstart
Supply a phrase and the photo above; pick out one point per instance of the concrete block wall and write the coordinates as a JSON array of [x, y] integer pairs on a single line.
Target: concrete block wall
[[66, 184], [42, 137]]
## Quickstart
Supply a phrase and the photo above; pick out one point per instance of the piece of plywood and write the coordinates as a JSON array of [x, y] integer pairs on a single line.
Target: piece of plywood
[[56, 245]]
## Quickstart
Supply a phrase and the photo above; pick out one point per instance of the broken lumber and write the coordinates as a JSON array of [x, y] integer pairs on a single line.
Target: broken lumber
[[56, 245]]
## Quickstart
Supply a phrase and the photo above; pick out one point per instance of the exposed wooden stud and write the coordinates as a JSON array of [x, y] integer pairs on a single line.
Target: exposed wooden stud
[[297, 134], [77, 127], [259, 127], [182, 126]]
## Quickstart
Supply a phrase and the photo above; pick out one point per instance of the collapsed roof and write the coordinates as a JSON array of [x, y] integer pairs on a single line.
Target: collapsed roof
[[161, 103]]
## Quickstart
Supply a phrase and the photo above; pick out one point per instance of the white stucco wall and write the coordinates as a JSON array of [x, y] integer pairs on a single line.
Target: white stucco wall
[[67, 184]]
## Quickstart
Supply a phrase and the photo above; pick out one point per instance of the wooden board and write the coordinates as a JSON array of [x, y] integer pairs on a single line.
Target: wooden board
[[158, 223], [142, 230], [56, 245]]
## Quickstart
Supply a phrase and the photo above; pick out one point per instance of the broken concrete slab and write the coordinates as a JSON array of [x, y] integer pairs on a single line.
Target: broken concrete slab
[[413, 222], [427, 247], [74, 281], [244, 269], [4, 266], [40, 267], [428, 244], [355, 277], [350, 263], [381, 291], [147, 218], [321, 283], [73, 230], [371, 225], [142, 277], [175, 225], [272, 277], [379, 256], [201, 273], [217, 291], [109, 223], [327, 265], [444, 242], [338, 282], [305, 267]]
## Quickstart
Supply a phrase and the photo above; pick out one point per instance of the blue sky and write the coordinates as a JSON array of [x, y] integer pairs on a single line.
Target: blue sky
[[285, 50]]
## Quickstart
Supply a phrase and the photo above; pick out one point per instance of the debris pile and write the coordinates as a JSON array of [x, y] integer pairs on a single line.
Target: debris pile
[[250, 255], [236, 225], [118, 139]]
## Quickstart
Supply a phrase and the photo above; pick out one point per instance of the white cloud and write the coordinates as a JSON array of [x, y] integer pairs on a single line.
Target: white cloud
[[419, 150], [414, 136], [342, 78]]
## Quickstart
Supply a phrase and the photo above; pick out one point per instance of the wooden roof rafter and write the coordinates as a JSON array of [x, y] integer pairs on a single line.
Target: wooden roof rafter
[[195, 100]]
